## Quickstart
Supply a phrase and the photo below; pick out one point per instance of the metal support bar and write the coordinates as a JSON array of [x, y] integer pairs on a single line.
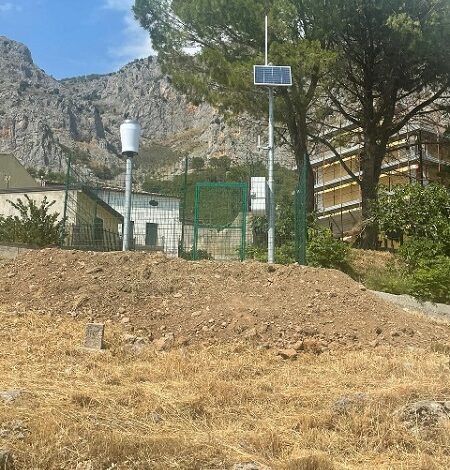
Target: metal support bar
[[127, 219], [271, 189]]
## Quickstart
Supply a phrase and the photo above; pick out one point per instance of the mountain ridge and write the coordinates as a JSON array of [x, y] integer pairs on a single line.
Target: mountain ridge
[[43, 120]]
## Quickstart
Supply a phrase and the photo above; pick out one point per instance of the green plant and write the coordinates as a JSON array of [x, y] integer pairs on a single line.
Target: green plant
[[326, 251], [34, 225], [417, 211], [431, 280], [415, 250]]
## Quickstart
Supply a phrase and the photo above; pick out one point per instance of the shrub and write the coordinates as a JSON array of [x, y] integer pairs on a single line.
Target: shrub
[[326, 251], [431, 280], [34, 225], [415, 250]]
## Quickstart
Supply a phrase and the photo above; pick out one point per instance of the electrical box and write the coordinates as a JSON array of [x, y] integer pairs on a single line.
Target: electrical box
[[258, 194]]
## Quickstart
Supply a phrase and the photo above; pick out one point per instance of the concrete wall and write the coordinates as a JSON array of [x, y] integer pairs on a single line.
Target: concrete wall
[[7, 251], [57, 196]]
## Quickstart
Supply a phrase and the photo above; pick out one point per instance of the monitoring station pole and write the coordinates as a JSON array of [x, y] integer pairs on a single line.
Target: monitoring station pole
[[271, 76]]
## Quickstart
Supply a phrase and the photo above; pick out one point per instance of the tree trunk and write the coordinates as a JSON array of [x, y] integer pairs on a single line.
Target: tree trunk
[[371, 171]]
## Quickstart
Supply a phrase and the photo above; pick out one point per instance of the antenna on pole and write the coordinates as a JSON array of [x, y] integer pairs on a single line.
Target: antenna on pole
[[266, 41]]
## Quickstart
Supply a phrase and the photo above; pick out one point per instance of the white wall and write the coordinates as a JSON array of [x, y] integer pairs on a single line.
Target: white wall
[[165, 214]]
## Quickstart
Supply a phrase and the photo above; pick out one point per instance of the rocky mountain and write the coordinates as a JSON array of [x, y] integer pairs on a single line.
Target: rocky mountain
[[43, 120]]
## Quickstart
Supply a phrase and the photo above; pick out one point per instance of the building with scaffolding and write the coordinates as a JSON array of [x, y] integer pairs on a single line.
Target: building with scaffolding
[[419, 153]]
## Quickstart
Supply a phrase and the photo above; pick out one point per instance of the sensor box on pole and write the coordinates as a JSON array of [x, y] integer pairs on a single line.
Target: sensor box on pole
[[258, 195]]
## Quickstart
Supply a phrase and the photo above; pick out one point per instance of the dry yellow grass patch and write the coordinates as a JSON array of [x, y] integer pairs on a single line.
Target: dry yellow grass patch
[[208, 408]]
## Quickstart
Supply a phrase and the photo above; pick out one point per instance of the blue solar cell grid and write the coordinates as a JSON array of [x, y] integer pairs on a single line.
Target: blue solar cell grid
[[272, 75]]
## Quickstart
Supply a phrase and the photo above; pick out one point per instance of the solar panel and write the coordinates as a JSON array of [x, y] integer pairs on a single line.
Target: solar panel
[[272, 75]]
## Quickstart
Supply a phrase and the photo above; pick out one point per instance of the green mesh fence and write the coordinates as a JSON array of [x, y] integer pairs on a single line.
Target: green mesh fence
[[220, 220]]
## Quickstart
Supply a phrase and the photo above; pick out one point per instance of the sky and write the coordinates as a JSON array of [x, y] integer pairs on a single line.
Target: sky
[[69, 38]]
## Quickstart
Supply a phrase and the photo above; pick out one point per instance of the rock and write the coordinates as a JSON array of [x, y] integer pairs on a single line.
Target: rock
[[261, 329], [424, 413], [125, 320], [313, 346], [346, 404], [298, 346], [378, 330], [164, 343], [309, 331], [130, 339], [95, 270], [15, 429], [6, 460], [250, 333], [8, 396], [287, 353], [94, 335], [181, 341], [82, 299]]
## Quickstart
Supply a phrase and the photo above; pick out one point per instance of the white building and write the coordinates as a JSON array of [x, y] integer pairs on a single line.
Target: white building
[[155, 219]]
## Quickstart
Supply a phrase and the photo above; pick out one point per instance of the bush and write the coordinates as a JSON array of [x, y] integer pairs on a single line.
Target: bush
[[326, 251], [431, 280], [34, 225], [415, 250]]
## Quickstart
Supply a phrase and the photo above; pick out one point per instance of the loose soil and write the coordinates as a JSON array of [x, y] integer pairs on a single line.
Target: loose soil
[[209, 302], [216, 399]]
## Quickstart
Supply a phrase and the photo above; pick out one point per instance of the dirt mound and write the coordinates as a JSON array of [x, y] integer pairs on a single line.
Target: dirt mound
[[184, 302]]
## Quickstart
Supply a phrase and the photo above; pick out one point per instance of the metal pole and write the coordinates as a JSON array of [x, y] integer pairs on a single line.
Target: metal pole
[[183, 223], [127, 219], [266, 34], [271, 231]]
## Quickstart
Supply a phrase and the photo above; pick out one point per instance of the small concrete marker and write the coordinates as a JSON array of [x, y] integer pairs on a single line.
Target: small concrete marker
[[94, 336]]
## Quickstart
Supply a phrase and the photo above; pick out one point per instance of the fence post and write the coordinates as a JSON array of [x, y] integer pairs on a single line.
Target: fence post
[[183, 216], [66, 195]]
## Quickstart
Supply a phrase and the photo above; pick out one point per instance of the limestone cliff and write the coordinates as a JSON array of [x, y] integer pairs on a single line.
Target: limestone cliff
[[43, 119]]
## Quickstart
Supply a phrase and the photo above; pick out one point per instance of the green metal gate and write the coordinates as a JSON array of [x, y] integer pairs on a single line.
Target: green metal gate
[[220, 221]]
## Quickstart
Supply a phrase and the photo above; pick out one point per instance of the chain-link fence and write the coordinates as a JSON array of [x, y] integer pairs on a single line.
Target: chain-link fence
[[194, 211]]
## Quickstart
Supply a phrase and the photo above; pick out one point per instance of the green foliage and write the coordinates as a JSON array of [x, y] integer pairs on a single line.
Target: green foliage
[[228, 38], [414, 250], [392, 279], [421, 212], [420, 216], [34, 225], [47, 176], [431, 280], [326, 251], [197, 163]]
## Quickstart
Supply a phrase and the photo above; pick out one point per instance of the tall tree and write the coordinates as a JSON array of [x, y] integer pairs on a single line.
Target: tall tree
[[393, 66], [209, 48]]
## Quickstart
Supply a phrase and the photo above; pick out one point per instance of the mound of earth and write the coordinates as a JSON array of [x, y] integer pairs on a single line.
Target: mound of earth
[[173, 301]]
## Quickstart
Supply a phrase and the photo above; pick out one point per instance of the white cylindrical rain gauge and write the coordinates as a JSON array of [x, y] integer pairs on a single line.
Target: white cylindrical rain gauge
[[130, 133]]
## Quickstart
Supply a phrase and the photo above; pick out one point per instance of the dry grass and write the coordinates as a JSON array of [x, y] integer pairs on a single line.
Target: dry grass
[[208, 408]]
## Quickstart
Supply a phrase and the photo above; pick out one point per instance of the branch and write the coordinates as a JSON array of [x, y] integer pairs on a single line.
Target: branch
[[417, 109], [325, 142], [343, 111]]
